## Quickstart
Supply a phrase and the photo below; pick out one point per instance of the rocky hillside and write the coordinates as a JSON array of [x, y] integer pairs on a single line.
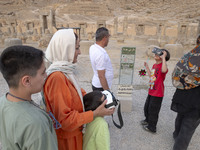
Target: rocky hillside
[[183, 10]]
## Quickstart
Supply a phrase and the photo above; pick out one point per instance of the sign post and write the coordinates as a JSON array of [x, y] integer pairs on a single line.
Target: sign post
[[125, 87]]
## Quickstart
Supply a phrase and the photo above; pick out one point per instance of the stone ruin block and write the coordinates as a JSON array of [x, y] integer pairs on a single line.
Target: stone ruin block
[[46, 31], [39, 30], [140, 29], [172, 40], [23, 38], [152, 42], [91, 36], [149, 30], [83, 27], [54, 30], [35, 37], [162, 43], [126, 103], [19, 29], [85, 46], [12, 41], [120, 29], [91, 28], [171, 32], [35, 32], [131, 30], [30, 26], [120, 40], [101, 23], [192, 30], [176, 50], [6, 31], [44, 41]]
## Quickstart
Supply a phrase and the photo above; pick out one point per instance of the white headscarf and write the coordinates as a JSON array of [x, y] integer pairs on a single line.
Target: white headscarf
[[60, 52]]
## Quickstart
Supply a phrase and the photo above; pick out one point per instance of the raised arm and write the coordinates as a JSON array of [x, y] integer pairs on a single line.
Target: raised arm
[[147, 68], [164, 64]]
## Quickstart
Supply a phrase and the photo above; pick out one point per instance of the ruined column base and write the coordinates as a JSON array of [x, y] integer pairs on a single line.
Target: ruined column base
[[126, 103]]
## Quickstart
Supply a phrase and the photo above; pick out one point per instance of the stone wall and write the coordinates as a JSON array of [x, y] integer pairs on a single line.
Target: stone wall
[[159, 32]]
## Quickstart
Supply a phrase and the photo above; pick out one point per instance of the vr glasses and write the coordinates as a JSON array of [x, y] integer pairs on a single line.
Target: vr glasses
[[157, 51], [111, 103], [111, 100]]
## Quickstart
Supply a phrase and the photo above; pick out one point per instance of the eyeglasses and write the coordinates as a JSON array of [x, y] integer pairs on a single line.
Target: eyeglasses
[[56, 124]]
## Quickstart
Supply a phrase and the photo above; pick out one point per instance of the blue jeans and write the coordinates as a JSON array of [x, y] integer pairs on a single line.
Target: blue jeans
[[185, 126]]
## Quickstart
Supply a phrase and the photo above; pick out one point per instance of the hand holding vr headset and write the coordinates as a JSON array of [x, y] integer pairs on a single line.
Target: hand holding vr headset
[[111, 103], [102, 110], [111, 100], [163, 56], [160, 52]]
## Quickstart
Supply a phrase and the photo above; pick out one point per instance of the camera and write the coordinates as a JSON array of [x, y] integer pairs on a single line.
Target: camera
[[157, 51], [111, 100]]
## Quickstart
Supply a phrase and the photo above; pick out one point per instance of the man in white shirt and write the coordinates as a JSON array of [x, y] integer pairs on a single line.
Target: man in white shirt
[[100, 61]]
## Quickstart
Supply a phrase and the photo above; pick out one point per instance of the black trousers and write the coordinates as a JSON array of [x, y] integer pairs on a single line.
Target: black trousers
[[97, 89], [151, 111], [185, 126]]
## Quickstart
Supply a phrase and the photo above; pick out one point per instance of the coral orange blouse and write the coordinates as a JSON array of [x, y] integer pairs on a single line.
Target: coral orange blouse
[[63, 101]]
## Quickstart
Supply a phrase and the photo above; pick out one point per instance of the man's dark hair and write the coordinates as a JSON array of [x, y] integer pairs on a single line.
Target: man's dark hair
[[17, 61], [168, 54], [101, 33], [92, 100]]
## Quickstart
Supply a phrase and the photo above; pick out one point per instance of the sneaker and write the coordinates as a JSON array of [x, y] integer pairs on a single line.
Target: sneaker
[[145, 127], [143, 122]]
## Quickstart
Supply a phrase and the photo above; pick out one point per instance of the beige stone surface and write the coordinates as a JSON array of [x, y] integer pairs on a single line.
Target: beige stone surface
[[167, 21]]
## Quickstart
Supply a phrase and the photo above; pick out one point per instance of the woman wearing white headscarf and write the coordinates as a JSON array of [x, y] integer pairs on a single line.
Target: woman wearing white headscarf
[[63, 96]]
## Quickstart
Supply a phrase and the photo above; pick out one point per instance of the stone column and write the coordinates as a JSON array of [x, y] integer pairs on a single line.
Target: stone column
[[115, 25], [52, 20], [19, 30], [41, 24], [125, 25]]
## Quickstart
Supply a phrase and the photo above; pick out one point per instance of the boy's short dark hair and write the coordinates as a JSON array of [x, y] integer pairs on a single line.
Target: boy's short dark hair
[[17, 61], [168, 54], [92, 100], [101, 33]]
